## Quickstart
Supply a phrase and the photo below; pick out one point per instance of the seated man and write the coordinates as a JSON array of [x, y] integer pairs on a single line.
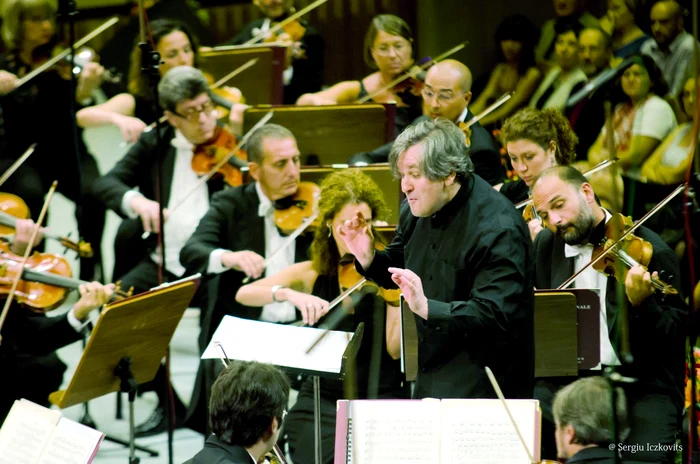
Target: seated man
[[566, 201], [247, 406], [131, 189], [582, 412], [305, 75], [29, 340], [447, 93]]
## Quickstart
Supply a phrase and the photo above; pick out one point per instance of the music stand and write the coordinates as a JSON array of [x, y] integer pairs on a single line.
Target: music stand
[[249, 340], [126, 347], [556, 337]]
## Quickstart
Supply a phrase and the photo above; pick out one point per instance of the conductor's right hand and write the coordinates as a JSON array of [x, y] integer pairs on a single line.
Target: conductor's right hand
[[148, 212], [248, 262], [8, 81], [357, 235]]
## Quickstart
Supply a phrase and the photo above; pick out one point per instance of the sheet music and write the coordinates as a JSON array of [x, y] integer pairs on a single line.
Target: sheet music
[[71, 442], [25, 432], [395, 431], [277, 344], [479, 431]]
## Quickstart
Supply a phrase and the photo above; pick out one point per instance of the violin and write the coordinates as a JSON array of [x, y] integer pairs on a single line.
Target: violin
[[208, 155], [294, 29], [13, 207], [291, 212], [348, 277], [83, 56], [45, 281], [631, 251], [224, 97]]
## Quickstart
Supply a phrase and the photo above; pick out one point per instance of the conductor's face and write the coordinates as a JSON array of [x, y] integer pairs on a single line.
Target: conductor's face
[[425, 197]]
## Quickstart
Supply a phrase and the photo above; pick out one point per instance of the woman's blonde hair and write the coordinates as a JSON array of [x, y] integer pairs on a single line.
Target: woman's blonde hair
[[15, 12], [349, 186]]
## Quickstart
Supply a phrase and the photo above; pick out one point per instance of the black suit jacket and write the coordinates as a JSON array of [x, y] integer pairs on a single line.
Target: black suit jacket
[[232, 223], [594, 454], [656, 328], [217, 452], [308, 72], [139, 169], [483, 151]]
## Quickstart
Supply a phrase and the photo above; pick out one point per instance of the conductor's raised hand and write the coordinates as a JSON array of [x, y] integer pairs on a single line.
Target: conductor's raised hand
[[358, 238], [412, 289]]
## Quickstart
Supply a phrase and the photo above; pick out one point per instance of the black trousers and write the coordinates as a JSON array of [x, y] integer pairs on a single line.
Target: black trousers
[[32, 181], [654, 419]]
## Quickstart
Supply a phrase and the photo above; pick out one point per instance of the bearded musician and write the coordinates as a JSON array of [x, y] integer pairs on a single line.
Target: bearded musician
[[565, 200]]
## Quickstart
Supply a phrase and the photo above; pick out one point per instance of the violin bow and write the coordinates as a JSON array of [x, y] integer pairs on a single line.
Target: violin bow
[[504, 98], [11, 170], [289, 240], [83, 249], [27, 252], [286, 21], [412, 72], [215, 85], [225, 159], [629, 231], [598, 167], [499, 393], [99, 30]]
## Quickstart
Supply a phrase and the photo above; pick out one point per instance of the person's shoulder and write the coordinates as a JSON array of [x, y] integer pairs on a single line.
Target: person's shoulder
[[491, 203], [658, 104], [588, 20], [655, 239]]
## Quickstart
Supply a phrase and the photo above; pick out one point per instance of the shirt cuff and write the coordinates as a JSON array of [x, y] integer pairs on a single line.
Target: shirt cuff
[[439, 314], [75, 323], [126, 203], [215, 264]]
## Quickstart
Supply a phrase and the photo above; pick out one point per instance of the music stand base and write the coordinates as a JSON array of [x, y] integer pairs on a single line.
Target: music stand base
[[317, 420]]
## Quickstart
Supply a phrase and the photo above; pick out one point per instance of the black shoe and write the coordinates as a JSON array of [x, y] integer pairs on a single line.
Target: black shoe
[[157, 423]]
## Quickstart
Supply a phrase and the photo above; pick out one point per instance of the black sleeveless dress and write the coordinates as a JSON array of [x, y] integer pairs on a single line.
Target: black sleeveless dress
[[299, 424]]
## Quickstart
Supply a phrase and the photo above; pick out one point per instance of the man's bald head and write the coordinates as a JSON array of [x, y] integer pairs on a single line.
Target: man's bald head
[[454, 68], [666, 21], [447, 90]]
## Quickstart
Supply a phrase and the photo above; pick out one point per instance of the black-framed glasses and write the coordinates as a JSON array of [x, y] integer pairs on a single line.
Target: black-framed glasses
[[192, 114]]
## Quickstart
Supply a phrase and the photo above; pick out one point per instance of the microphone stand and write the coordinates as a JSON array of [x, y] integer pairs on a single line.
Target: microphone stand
[[150, 61]]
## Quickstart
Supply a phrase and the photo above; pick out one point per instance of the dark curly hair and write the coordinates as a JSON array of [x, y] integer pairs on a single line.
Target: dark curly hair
[[349, 186], [245, 398], [542, 127]]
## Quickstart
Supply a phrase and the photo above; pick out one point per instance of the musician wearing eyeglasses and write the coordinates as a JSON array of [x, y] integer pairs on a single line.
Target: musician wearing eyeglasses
[[446, 94], [566, 201], [131, 189]]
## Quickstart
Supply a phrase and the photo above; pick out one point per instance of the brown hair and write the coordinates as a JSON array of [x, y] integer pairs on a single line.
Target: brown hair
[[349, 186], [543, 127], [391, 25], [138, 84]]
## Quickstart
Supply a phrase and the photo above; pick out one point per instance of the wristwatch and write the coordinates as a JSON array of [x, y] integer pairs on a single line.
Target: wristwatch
[[274, 290]]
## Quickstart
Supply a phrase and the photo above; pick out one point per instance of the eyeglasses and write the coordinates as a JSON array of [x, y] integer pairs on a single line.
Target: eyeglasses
[[192, 114], [442, 97]]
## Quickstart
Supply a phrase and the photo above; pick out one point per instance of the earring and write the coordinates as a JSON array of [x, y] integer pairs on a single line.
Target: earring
[[330, 231]]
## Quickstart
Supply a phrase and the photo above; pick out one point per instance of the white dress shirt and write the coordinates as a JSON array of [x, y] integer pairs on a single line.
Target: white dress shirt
[[592, 279], [273, 312], [183, 221]]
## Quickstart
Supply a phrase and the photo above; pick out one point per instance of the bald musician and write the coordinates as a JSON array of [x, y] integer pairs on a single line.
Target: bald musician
[[446, 94]]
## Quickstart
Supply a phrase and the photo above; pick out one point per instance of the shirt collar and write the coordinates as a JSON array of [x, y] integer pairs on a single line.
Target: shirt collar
[[577, 250], [266, 205], [673, 46], [458, 202], [180, 142], [463, 116]]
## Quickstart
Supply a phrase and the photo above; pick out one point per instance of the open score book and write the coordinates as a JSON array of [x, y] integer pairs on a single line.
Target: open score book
[[33, 434], [436, 431]]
